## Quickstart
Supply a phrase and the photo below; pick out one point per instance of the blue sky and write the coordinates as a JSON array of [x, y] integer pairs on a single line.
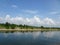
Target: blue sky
[[42, 9]]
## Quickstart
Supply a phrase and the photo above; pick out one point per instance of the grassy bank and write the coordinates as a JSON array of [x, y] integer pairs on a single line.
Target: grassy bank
[[7, 27], [27, 30]]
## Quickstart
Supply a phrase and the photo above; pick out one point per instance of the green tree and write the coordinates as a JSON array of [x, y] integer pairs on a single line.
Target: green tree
[[7, 25], [20, 26], [42, 26], [13, 26]]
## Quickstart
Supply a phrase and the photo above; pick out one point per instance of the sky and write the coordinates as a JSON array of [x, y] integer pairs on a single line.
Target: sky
[[31, 12]]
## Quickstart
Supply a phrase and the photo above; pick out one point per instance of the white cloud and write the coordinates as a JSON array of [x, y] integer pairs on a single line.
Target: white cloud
[[1, 20], [54, 12], [36, 21], [30, 11], [7, 18], [49, 21], [14, 6]]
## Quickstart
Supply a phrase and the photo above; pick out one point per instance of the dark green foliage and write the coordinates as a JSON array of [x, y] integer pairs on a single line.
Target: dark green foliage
[[13, 26], [21, 26], [42, 26], [7, 25]]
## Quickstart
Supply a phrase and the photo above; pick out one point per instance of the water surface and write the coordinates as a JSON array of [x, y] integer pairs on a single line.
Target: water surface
[[30, 38]]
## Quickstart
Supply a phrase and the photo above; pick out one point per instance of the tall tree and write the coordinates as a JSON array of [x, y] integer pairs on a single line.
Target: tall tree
[[7, 25]]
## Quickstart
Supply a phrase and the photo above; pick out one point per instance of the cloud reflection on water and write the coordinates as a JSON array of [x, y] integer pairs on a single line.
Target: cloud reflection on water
[[33, 34], [49, 34]]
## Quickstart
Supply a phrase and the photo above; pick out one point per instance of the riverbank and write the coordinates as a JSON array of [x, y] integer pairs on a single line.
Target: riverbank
[[7, 27], [27, 30]]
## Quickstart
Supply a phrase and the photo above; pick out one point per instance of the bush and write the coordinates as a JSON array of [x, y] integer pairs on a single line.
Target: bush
[[13, 26]]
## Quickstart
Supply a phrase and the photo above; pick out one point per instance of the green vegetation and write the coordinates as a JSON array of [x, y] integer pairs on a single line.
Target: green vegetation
[[15, 26], [7, 27]]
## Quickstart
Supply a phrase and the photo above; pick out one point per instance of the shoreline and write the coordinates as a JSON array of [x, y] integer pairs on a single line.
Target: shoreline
[[27, 30]]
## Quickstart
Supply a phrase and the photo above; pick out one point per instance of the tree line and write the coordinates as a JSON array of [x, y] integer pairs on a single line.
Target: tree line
[[7, 25]]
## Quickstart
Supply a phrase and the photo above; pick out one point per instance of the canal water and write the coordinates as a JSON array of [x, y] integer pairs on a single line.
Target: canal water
[[30, 38]]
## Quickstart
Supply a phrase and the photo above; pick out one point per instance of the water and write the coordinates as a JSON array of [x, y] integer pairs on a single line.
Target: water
[[30, 38]]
